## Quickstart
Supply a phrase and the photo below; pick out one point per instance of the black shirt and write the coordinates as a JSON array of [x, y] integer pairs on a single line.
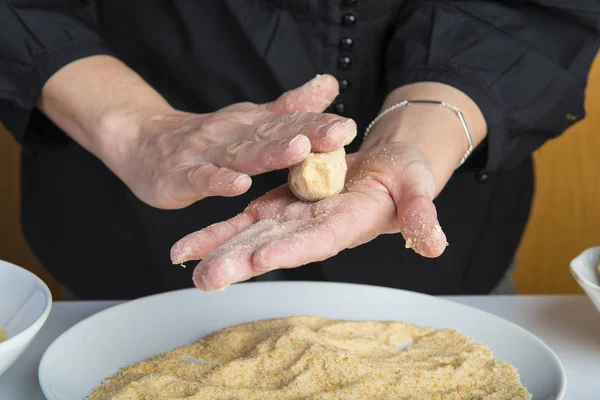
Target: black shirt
[[524, 62]]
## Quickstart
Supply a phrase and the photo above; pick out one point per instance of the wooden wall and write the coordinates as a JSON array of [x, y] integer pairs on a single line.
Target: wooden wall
[[565, 217], [13, 247], [566, 212]]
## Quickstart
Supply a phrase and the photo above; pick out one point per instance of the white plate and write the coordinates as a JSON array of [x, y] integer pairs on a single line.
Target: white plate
[[584, 270], [25, 303], [82, 357]]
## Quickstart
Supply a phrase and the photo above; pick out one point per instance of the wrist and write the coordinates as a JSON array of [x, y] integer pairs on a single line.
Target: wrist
[[436, 131], [119, 123], [118, 132], [100, 103]]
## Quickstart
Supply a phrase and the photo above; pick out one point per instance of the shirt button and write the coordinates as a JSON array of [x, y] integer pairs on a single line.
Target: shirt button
[[348, 19], [344, 62], [482, 177], [346, 43], [340, 108], [349, 2], [344, 84]]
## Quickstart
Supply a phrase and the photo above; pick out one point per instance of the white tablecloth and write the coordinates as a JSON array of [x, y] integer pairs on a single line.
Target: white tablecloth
[[570, 325]]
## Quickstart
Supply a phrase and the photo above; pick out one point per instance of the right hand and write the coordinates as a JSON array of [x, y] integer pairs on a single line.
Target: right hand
[[389, 189], [174, 158]]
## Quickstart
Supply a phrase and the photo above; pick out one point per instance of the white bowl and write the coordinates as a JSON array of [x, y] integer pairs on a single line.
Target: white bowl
[[584, 269], [25, 303], [96, 348]]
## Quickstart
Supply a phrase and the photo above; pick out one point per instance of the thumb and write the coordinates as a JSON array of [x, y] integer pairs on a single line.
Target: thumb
[[314, 96], [413, 194], [407, 178], [188, 185]]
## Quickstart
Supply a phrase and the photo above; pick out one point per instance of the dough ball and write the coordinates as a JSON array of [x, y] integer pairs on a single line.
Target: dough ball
[[319, 176]]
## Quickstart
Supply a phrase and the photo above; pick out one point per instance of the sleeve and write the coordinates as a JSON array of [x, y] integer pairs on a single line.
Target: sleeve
[[37, 38], [524, 62]]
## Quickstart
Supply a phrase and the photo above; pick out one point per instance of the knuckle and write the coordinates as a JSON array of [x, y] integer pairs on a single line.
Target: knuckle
[[256, 206], [199, 179], [246, 105], [291, 118], [252, 208], [297, 117], [163, 142], [325, 118], [266, 130], [159, 187], [196, 175], [233, 151], [158, 176], [215, 123], [243, 106]]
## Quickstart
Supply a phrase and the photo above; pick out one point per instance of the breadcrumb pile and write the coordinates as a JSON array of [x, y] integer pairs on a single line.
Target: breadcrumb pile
[[315, 358]]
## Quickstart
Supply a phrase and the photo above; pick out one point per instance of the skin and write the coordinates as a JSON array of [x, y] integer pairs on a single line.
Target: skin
[[171, 159], [390, 187]]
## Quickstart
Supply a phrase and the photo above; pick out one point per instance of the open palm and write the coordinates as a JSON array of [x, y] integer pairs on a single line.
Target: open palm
[[389, 189]]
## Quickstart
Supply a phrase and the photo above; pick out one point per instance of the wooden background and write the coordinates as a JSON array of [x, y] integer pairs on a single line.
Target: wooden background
[[565, 218], [564, 221]]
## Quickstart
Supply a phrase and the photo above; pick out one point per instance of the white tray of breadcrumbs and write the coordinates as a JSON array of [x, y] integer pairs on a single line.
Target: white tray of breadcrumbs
[[296, 340]]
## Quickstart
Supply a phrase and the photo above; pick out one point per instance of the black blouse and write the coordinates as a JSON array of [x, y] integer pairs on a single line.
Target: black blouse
[[524, 62]]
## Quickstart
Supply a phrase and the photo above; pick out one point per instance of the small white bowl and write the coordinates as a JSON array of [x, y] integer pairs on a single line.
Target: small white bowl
[[25, 302], [584, 269]]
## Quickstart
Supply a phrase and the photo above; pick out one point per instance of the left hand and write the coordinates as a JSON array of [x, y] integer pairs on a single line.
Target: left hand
[[389, 189]]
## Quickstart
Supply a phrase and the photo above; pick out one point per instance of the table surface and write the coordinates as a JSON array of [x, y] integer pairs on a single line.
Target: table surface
[[570, 325]]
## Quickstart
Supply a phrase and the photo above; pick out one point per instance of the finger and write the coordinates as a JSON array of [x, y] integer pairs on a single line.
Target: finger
[[233, 262], [417, 216], [271, 204], [311, 244], [237, 123], [198, 245], [327, 132], [403, 172], [219, 273], [193, 184], [420, 228], [337, 226], [253, 158], [314, 96]]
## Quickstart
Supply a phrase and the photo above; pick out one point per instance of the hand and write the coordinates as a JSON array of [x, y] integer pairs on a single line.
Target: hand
[[389, 189], [390, 186], [178, 158], [171, 159]]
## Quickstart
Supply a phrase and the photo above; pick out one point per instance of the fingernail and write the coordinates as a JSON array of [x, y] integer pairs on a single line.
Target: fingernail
[[422, 241], [217, 277], [235, 180], [232, 178], [341, 124], [317, 80], [205, 285], [211, 288], [259, 261], [312, 81], [344, 123], [289, 143], [322, 131], [179, 253], [197, 276], [325, 129]]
